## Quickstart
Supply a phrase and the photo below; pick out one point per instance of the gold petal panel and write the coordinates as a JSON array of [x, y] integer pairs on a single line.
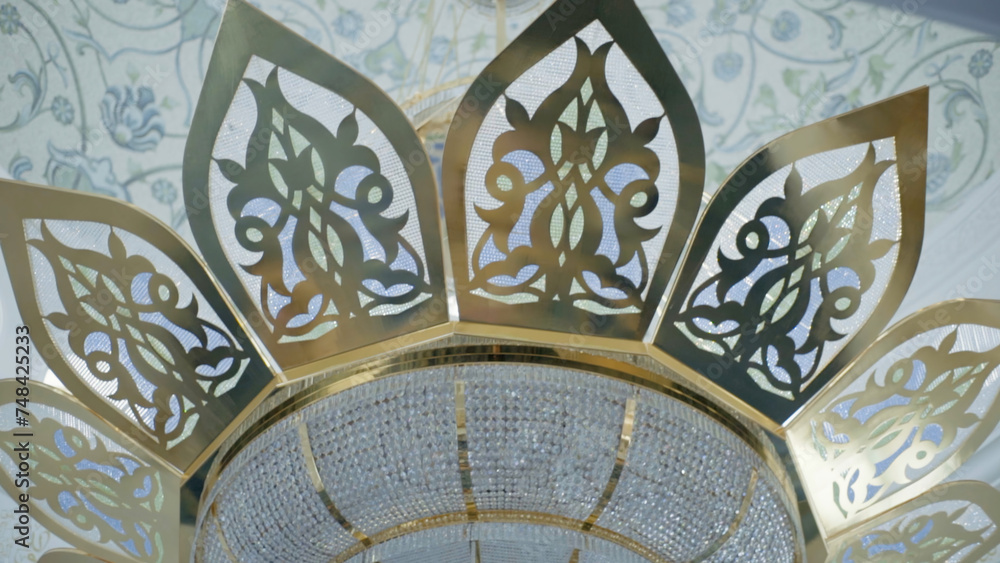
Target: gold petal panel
[[571, 180], [957, 521], [803, 256], [908, 412], [311, 197], [90, 485], [571, 177], [127, 317]]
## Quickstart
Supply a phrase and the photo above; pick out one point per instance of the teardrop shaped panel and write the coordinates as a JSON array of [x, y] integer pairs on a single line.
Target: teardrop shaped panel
[[901, 418], [802, 256], [572, 174], [958, 522], [311, 198], [89, 484], [128, 319]]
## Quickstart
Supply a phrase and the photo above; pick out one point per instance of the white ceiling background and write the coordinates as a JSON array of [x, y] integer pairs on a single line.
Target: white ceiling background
[[755, 68]]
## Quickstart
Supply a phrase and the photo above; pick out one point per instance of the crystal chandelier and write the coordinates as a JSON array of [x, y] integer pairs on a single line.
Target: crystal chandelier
[[545, 360]]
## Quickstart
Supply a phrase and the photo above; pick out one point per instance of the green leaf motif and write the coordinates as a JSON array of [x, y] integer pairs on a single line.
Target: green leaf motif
[[792, 79], [877, 67]]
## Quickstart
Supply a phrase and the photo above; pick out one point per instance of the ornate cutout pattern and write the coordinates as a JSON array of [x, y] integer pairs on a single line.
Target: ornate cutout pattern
[[956, 522], [795, 258], [137, 332], [803, 265], [566, 191], [537, 244], [319, 206], [163, 362], [93, 492], [912, 408], [322, 213]]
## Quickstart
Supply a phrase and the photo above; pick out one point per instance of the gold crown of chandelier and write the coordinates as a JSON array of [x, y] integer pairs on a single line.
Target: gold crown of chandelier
[[572, 176]]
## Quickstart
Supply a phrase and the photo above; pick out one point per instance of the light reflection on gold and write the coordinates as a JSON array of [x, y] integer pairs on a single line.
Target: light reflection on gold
[[313, 471], [621, 457], [916, 403], [464, 468]]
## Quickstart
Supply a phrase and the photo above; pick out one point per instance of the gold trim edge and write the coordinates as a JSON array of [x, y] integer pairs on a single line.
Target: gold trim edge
[[472, 354], [313, 470], [462, 439], [621, 456], [735, 524]]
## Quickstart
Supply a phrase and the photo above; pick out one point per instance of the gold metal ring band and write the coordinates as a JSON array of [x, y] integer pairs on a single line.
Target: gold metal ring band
[[481, 354]]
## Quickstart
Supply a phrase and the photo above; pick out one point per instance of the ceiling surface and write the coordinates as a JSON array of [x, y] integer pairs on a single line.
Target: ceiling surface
[[98, 95]]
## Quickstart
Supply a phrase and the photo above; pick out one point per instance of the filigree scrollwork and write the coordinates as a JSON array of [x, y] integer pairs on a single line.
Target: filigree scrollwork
[[957, 522], [320, 197], [539, 243], [900, 419], [808, 245], [137, 332], [809, 260], [322, 215], [100, 495], [565, 190], [127, 322]]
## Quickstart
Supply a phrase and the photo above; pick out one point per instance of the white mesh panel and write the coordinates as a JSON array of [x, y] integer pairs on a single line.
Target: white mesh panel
[[237, 134], [87, 235]]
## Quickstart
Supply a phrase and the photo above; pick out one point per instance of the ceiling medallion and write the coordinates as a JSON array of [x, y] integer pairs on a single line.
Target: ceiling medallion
[[548, 359]]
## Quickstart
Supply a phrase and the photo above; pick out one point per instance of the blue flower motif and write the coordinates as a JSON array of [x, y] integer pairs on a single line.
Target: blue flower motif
[[440, 49], [10, 19], [76, 171], [938, 172], [349, 24], [679, 12], [980, 63], [62, 110], [164, 191], [131, 119], [727, 66], [786, 26]]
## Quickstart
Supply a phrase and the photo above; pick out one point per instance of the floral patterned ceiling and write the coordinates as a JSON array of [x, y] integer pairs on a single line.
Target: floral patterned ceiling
[[98, 95]]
